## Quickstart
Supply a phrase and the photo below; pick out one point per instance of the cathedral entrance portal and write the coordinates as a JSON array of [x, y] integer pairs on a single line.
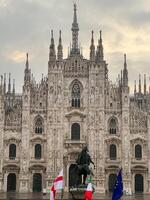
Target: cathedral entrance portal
[[111, 182], [138, 183], [37, 182], [73, 177], [11, 182]]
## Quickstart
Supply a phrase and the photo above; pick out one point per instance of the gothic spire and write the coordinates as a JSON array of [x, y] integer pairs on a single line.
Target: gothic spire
[[125, 72], [101, 47], [60, 48], [1, 80], [139, 83], [92, 48], [125, 61], [149, 85], [1, 85], [9, 84], [121, 78], [118, 80], [99, 52], [75, 30], [27, 62], [13, 87], [68, 51], [144, 84], [27, 70], [4, 83], [134, 87], [52, 54]]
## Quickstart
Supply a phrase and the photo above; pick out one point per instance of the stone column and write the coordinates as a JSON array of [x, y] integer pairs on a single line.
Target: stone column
[[125, 136], [25, 141], [5, 182]]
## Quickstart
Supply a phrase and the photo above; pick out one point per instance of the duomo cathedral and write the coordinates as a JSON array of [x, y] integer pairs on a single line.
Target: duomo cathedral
[[43, 129]]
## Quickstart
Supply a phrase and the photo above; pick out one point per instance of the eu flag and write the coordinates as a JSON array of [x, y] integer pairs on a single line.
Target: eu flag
[[118, 188]]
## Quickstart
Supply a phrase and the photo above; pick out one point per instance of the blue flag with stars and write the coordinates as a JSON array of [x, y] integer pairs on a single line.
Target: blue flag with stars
[[118, 188]]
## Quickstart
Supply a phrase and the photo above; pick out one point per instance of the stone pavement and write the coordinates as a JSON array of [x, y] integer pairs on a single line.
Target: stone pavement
[[40, 196]]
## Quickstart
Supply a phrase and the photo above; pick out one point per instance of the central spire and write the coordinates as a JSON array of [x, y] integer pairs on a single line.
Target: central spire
[[75, 30]]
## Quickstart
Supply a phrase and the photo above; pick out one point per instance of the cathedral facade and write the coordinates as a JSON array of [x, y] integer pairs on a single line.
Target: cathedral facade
[[43, 129]]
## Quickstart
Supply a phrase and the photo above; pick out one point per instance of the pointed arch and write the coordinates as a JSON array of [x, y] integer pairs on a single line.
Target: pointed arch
[[76, 90], [38, 125], [113, 125]]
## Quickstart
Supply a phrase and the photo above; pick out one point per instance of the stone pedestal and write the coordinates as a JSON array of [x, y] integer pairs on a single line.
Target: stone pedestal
[[76, 193]]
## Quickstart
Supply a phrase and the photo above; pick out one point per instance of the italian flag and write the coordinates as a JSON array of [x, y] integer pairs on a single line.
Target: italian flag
[[57, 185], [52, 193], [88, 192]]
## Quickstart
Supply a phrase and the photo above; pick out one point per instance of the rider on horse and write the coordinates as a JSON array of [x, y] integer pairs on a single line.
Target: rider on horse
[[83, 161]]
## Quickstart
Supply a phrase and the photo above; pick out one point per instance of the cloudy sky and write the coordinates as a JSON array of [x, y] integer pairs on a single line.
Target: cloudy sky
[[25, 27]]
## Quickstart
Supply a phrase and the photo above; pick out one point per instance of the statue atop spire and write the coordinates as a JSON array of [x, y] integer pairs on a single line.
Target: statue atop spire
[[75, 30], [75, 14]]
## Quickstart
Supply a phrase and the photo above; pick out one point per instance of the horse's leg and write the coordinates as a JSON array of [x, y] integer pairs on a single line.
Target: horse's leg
[[84, 178], [78, 176]]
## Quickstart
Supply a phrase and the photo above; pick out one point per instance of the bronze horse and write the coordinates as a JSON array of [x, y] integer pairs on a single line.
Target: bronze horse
[[83, 161]]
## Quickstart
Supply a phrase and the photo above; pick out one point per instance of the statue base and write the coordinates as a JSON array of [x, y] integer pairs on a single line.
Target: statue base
[[78, 192]]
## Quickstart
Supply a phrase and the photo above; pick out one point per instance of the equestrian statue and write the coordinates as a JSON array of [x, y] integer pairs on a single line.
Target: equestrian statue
[[83, 161]]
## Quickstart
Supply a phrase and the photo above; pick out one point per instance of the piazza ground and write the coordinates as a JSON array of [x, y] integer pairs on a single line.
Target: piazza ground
[[40, 196]]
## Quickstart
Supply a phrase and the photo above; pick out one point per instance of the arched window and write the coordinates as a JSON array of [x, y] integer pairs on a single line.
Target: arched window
[[112, 152], [138, 152], [112, 126], [76, 95], [75, 131], [12, 151], [38, 151], [39, 127]]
